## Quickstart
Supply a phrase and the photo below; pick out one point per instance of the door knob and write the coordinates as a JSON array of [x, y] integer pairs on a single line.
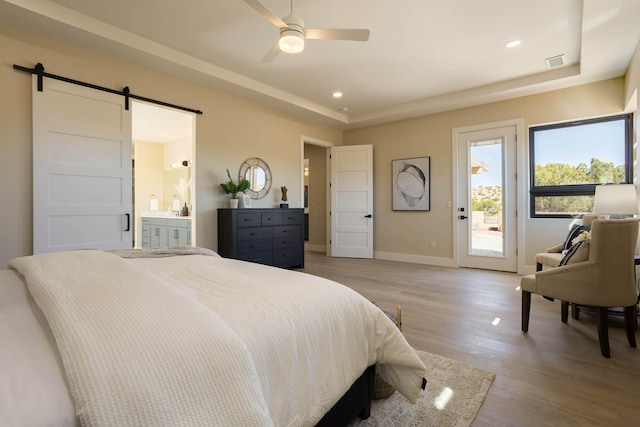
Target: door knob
[[462, 217], [368, 216]]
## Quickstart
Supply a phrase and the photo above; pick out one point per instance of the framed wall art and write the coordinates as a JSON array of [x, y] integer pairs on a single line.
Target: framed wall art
[[411, 184]]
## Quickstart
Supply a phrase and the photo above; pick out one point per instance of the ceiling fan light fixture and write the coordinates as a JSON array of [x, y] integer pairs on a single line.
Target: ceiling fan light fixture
[[291, 41]]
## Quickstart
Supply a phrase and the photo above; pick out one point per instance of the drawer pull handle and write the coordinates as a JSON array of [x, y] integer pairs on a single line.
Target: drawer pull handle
[[256, 246]]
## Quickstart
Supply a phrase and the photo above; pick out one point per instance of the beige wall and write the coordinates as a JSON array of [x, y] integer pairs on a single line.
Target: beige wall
[[149, 174], [411, 232], [229, 131], [632, 82]]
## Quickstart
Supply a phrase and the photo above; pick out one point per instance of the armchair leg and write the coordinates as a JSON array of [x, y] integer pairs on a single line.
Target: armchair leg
[[526, 308], [564, 310], [630, 316], [603, 330]]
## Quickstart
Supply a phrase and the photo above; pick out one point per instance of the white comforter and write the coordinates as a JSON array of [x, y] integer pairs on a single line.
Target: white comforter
[[200, 340]]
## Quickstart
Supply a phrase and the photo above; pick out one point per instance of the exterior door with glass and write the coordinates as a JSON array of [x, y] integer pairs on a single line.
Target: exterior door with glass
[[486, 204]]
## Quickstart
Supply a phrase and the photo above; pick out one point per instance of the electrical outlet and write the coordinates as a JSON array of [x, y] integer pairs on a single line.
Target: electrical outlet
[[433, 243]]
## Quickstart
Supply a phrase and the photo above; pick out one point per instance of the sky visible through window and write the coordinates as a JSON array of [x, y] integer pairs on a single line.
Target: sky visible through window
[[491, 156], [579, 144]]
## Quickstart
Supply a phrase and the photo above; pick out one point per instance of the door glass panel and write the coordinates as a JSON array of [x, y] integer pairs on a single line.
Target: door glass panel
[[486, 164]]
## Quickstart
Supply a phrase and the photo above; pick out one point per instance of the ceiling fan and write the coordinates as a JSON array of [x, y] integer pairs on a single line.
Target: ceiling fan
[[293, 33]]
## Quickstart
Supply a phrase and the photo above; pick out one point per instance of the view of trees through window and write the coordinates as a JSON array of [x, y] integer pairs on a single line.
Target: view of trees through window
[[487, 199], [553, 174], [568, 160]]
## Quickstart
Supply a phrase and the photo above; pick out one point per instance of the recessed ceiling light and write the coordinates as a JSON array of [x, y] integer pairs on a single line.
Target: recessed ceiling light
[[337, 94], [513, 43]]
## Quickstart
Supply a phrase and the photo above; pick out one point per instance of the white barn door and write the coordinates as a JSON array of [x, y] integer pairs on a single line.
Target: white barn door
[[352, 201], [81, 168]]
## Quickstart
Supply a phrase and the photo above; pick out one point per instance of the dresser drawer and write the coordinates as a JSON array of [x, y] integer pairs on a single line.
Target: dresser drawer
[[269, 219], [291, 218], [254, 233], [285, 242], [288, 257], [249, 220], [262, 257], [254, 245], [286, 231]]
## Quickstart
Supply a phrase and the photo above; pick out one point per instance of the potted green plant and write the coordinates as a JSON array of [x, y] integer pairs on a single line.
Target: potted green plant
[[233, 189]]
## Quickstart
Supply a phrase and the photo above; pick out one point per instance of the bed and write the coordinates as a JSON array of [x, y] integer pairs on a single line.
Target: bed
[[185, 337]]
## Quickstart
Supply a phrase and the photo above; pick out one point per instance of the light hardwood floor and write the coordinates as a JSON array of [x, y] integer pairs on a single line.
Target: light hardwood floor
[[552, 376]]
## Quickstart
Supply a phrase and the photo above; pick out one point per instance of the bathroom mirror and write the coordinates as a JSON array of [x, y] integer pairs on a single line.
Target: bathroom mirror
[[259, 175], [177, 182]]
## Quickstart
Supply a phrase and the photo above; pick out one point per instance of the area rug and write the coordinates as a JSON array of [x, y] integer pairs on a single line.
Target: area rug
[[454, 394]]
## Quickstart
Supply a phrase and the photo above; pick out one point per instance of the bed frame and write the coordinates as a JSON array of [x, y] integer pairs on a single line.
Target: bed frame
[[356, 402]]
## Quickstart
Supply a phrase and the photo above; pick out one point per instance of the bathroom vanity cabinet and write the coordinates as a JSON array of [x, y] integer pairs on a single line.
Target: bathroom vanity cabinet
[[170, 231], [266, 236]]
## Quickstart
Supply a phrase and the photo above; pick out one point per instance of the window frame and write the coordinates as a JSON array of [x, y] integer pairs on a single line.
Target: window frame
[[575, 189]]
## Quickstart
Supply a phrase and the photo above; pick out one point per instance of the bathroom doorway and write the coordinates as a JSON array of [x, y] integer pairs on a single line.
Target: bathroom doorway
[[163, 169]]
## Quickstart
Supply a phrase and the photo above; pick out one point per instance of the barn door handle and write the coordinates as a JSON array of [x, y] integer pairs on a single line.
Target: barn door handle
[[128, 222]]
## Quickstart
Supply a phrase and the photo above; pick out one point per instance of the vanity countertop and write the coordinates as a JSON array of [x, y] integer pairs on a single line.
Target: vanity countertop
[[161, 214]]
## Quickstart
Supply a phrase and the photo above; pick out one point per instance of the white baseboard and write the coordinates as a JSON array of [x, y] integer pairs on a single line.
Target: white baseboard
[[315, 248], [416, 259]]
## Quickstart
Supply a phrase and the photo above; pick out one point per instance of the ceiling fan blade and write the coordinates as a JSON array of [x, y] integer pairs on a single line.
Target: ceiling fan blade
[[336, 34], [262, 9], [271, 55]]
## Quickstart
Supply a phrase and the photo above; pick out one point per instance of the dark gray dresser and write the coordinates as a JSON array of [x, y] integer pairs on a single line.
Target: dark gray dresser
[[266, 236]]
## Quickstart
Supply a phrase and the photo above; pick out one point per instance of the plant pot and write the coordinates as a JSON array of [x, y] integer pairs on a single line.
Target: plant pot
[[233, 203]]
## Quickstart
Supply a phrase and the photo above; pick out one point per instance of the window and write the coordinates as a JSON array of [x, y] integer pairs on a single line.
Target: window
[[568, 160]]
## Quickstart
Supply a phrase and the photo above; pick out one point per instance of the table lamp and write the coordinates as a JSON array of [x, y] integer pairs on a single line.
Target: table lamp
[[615, 201]]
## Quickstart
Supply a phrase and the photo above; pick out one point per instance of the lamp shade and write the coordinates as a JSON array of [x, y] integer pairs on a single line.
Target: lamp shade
[[617, 199]]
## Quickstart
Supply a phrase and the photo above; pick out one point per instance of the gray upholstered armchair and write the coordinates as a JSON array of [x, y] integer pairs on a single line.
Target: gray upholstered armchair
[[606, 279]]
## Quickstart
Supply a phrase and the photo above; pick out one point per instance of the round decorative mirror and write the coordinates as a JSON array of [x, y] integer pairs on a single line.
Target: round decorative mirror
[[257, 172]]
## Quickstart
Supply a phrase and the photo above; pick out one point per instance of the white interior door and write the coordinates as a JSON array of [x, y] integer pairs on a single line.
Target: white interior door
[[352, 201], [487, 199], [81, 168]]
